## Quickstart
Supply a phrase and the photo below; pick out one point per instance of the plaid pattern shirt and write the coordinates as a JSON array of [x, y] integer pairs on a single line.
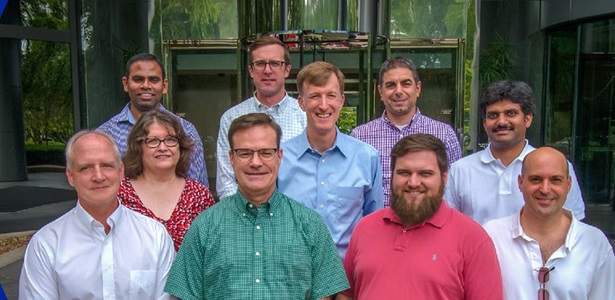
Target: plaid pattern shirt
[[287, 114], [234, 250], [119, 127], [383, 135]]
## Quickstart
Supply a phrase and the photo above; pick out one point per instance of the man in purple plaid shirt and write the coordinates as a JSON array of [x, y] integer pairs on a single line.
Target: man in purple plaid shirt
[[399, 88]]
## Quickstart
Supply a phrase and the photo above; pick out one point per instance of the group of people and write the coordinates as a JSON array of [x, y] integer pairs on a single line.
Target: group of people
[[391, 211]]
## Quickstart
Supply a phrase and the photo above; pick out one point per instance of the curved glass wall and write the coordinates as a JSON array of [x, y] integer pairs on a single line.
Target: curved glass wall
[[580, 104]]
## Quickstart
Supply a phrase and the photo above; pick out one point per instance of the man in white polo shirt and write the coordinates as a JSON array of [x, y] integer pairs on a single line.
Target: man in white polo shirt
[[483, 185]]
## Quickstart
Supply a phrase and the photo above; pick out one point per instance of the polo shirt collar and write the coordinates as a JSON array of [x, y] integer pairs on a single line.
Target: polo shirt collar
[[437, 220], [487, 156]]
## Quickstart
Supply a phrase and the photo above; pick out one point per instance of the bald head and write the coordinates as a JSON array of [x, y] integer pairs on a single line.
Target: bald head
[[544, 183], [542, 156]]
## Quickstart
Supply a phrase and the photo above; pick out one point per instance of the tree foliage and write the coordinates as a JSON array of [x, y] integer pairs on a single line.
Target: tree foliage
[[348, 119], [46, 76]]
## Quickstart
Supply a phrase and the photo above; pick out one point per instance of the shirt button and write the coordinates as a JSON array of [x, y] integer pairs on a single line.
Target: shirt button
[[250, 205], [257, 253], [271, 214], [258, 280], [323, 161], [322, 183], [322, 206], [404, 231], [243, 215], [258, 227]]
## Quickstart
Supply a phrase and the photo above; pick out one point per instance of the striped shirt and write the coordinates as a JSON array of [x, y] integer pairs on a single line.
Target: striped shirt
[[286, 113], [383, 135], [234, 250], [119, 127]]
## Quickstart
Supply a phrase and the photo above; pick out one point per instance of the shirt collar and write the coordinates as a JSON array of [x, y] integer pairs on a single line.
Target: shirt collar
[[487, 156], [437, 220], [415, 118], [518, 232], [92, 225], [270, 205], [341, 144], [126, 116], [280, 106]]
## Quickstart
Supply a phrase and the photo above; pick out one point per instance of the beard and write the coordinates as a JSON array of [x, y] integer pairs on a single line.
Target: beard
[[410, 214]]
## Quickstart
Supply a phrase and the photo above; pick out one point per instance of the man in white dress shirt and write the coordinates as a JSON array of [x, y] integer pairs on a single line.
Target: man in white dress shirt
[[99, 249], [483, 185], [269, 66], [543, 249]]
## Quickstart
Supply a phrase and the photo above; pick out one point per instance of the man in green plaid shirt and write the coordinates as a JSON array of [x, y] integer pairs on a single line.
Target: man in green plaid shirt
[[258, 243]]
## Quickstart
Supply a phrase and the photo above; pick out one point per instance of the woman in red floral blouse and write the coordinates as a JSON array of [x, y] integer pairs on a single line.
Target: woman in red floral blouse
[[155, 167]]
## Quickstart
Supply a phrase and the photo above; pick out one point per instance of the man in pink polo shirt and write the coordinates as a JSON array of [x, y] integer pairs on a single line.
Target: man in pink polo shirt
[[419, 247]]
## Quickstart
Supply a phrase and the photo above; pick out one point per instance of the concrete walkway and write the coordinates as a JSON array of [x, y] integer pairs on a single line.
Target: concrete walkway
[[26, 222]]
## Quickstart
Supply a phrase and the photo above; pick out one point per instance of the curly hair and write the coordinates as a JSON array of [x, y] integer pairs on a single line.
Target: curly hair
[[133, 159], [517, 92]]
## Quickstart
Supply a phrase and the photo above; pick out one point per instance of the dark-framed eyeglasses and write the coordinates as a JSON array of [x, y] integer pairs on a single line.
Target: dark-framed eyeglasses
[[169, 141], [262, 64], [264, 154], [543, 278]]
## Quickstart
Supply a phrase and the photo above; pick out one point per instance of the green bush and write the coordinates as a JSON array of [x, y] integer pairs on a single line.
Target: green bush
[[45, 154]]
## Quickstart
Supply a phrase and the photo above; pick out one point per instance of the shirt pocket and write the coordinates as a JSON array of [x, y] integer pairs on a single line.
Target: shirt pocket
[[289, 268], [347, 200], [142, 284]]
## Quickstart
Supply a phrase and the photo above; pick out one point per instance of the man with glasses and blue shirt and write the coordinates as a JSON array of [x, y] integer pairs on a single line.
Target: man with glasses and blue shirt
[[543, 249], [258, 243], [269, 67]]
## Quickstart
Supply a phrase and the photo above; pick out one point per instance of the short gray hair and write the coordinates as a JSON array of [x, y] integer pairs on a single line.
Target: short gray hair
[[68, 153]]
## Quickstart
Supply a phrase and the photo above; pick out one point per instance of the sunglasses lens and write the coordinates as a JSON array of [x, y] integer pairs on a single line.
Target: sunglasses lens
[[543, 294], [543, 275]]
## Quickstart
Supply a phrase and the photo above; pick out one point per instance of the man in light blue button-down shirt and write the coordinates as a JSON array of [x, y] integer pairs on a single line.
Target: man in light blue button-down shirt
[[330, 172], [269, 67]]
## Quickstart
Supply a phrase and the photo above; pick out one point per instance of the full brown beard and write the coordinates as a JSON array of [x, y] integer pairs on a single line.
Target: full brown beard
[[410, 214]]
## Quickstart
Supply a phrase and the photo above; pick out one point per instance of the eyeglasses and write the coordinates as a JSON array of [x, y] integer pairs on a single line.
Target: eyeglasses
[[273, 64], [543, 278], [170, 141], [264, 154]]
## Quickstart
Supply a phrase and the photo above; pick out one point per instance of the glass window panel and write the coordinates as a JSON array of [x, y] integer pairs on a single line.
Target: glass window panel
[[199, 19], [312, 14], [560, 95], [427, 19], [49, 14], [595, 132], [46, 85]]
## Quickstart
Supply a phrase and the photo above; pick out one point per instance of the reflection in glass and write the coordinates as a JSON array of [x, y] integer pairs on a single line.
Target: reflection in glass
[[199, 19], [427, 19], [46, 83], [49, 14]]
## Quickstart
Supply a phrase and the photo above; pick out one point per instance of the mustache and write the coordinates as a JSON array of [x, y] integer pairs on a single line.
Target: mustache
[[505, 127]]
